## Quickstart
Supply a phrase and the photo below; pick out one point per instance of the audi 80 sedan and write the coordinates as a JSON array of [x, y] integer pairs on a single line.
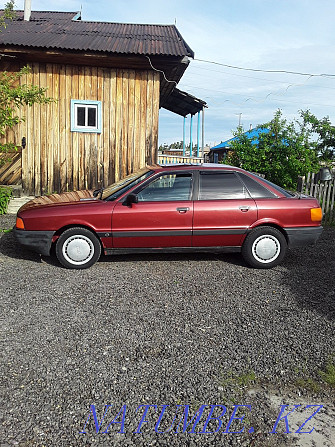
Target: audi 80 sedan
[[175, 208]]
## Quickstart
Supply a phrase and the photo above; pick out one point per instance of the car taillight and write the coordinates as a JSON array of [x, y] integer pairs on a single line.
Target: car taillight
[[19, 223], [316, 214]]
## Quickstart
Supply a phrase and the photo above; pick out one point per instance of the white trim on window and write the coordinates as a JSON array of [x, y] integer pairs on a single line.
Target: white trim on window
[[90, 118]]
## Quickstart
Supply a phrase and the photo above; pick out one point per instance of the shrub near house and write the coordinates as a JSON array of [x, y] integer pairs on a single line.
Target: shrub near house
[[281, 154]]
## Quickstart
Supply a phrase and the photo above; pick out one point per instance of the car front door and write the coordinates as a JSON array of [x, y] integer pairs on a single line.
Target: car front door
[[223, 212], [162, 216]]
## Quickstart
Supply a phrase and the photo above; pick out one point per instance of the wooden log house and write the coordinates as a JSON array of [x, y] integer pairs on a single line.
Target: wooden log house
[[108, 81]]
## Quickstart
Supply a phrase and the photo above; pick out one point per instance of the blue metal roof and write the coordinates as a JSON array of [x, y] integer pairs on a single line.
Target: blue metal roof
[[252, 134]]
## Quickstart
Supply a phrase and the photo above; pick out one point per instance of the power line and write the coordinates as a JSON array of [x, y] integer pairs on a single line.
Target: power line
[[266, 71]]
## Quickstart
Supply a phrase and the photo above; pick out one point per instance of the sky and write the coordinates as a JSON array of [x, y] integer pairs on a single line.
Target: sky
[[283, 35]]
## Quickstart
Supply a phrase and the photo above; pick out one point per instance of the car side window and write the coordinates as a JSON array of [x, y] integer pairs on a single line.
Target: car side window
[[221, 185], [170, 187]]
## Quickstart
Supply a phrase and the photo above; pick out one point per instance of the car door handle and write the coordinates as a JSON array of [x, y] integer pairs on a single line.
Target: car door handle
[[183, 210], [244, 209]]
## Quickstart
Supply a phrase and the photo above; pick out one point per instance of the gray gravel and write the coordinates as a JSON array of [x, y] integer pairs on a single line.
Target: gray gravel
[[161, 329]]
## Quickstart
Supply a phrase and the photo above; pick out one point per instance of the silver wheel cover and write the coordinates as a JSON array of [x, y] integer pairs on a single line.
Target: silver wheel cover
[[78, 249], [266, 248]]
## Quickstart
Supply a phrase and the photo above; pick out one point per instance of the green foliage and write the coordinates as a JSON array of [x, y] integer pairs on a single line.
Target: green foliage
[[325, 133], [5, 195], [328, 375], [281, 154], [13, 94], [8, 14]]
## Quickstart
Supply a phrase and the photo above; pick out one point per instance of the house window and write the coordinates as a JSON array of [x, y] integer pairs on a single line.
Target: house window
[[85, 116]]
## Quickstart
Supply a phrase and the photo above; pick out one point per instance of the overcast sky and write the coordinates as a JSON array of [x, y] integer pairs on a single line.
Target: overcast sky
[[291, 35]]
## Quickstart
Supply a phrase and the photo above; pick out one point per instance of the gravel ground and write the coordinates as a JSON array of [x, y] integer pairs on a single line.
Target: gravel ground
[[164, 330]]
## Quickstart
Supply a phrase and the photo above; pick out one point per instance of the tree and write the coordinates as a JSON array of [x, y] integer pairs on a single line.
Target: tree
[[325, 132], [8, 13], [282, 152], [14, 94]]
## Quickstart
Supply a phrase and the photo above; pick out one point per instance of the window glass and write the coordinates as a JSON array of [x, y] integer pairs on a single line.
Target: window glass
[[170, 187], [116, 190], [255, 189], [221, 185], [92, 113], [80, 116], [278, 188]]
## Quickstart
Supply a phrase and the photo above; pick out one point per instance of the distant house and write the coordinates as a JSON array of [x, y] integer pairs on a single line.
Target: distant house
[[220, 152], [109, 81]]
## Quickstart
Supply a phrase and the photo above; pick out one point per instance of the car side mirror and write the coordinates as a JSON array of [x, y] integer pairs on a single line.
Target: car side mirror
[[130, 199]]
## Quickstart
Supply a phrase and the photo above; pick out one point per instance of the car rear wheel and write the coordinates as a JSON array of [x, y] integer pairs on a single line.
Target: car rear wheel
[[264, 247], [78, 248]]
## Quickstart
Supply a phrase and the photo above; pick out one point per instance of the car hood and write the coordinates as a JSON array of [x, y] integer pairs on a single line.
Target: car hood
[[58, 199]]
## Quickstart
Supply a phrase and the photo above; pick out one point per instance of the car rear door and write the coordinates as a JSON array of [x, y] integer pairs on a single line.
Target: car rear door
[[223, 210], [162, 217]]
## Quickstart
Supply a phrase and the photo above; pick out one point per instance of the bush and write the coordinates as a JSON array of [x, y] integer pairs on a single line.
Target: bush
[[5, 195]]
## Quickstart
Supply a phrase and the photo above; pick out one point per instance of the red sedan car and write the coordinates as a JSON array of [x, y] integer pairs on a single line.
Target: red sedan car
[[176, 208]]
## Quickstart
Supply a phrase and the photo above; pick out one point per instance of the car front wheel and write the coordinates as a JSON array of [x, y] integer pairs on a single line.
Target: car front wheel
[[78, 248], [264, 247]]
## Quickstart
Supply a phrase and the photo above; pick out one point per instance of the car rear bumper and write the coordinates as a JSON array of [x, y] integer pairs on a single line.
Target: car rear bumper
[[298, 237], [39, 241]]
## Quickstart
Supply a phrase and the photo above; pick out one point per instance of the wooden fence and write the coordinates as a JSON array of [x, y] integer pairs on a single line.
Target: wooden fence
[[323, 191], [10, 168], [174, 159]]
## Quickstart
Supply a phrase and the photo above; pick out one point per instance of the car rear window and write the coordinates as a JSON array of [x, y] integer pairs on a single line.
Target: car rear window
[[256, 190], [221, 185], [277, 188]]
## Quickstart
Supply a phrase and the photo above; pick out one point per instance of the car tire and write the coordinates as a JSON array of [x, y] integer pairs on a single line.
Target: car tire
[[264, 247], [78, 248]]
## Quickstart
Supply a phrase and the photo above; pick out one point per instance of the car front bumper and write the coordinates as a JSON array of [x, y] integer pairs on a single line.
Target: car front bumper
[[298, 237], [39, 241]]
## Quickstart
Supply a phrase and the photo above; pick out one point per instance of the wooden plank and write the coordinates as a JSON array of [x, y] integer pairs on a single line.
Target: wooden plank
[[30, 143], [62, 129], [143, 113], [56, 128], [137, 119], [68, 150], [75, 136], [44, 132], [118, 125], [107, 111], [131, 122], [49, 137], [22, 132], [89, 138], [11, 170], [331, 185], [100, 85], [112, 136], [149, 111], [155, 118], [125, 129], [81, 135], [36, 125]]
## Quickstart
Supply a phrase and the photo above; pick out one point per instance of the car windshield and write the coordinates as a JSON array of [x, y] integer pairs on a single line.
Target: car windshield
[[113, 191]]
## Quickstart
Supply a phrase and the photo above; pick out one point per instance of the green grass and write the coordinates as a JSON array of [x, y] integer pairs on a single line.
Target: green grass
[[328, 376]]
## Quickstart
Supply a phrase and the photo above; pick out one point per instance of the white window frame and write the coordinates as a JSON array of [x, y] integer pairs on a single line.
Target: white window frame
[[75, 103]]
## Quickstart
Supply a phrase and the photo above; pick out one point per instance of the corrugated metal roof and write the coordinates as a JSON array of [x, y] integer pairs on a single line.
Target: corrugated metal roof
[[60, 30], [183, 103]]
